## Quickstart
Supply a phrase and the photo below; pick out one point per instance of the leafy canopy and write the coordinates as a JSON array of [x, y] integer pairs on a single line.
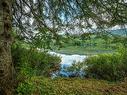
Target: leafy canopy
[[36, 18]]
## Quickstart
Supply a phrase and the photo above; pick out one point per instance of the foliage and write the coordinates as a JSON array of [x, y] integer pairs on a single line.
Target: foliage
[[29, 62], [76, 70], [94, 45], [31, 15], [110, 67], [70, 86], [107, 66]]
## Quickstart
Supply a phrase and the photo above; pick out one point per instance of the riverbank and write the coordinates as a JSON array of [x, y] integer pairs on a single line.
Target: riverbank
[[69, 50], [71, 86]]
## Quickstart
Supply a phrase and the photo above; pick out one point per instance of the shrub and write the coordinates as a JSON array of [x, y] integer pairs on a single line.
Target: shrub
[[110, 67], [29, 62], [35, 86]]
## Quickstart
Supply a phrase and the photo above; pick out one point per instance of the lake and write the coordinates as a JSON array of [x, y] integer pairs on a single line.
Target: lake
[[67, 61]]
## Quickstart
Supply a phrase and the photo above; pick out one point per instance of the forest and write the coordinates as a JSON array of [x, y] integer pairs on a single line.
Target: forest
[[63, 47]]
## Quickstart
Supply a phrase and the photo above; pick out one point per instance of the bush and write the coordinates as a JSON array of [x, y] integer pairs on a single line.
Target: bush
[[112, 67], [29, 62], [108, 66], [25, 88]]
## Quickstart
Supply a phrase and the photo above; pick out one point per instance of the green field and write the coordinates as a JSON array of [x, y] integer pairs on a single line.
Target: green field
[[88, 46], [82, 50]]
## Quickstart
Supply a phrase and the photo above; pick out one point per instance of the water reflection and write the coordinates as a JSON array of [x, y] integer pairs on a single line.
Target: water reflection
[[67, 61]]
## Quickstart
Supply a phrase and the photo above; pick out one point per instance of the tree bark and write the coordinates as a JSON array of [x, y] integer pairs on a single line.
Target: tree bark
[[6, 67]]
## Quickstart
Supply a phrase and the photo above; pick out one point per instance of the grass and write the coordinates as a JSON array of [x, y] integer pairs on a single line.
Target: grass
[[83, 50], [73, 86], [88, 47]]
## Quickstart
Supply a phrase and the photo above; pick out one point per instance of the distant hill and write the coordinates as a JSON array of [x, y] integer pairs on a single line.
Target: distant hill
[[116, 32], [119, 32]]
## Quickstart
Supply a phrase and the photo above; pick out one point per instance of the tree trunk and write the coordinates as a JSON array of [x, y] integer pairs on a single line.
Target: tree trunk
[[6, 67]]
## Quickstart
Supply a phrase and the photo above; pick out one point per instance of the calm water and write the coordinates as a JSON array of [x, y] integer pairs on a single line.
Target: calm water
[[66, 61]]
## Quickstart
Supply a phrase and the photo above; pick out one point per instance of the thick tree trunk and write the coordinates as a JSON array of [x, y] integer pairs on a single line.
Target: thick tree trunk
[[6, 67]]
